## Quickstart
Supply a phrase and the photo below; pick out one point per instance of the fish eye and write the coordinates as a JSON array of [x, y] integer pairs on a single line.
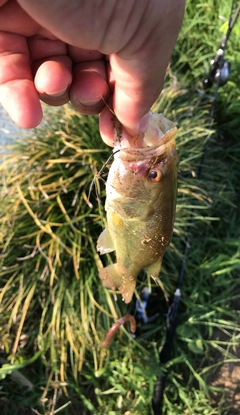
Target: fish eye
[[155, 175]]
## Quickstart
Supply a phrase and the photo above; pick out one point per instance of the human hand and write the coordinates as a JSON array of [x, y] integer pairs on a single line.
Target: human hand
[[114, 51]]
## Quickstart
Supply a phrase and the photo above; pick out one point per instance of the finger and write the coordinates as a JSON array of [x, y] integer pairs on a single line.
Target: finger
[[83, 55], [53, 79], [139, 76], [89, 89], [51, 68], [139, 68], [14, 19], [106, 127], [106, 124], [2, 2], [17, 92]]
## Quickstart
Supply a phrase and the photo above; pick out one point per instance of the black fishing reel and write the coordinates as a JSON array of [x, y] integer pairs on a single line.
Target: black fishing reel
[[219, 70]]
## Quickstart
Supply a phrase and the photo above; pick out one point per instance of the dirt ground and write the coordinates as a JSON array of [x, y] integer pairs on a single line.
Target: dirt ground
[[228, 379]]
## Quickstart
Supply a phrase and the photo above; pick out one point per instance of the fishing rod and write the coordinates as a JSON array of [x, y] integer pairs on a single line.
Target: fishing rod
[[219, 73]]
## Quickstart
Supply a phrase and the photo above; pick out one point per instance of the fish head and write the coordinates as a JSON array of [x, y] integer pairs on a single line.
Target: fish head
[[143, 174]]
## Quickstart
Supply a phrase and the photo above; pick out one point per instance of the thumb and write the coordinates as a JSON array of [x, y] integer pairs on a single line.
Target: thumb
[[139, 75]]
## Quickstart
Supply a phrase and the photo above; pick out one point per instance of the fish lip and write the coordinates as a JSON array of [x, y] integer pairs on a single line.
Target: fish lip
[[136, 154]]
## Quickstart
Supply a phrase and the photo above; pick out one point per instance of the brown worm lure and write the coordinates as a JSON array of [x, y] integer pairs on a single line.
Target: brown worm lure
[[116, 326]]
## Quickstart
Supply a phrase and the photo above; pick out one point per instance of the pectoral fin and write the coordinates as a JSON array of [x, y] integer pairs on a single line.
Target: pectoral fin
[[105, 242], [116, 278]]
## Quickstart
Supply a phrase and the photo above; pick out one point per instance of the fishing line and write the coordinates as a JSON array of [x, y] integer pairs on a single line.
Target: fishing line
[[98, 175], [219, 74]]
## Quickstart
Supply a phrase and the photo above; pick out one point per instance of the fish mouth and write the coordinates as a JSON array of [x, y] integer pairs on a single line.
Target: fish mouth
[[165, 145], [160, 131]]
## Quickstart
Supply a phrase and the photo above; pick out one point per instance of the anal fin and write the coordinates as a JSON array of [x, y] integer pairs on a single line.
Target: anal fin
[[153, 271], [114, 277]]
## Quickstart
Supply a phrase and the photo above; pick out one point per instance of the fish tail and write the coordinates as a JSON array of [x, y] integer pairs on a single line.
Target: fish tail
[[115, 277]]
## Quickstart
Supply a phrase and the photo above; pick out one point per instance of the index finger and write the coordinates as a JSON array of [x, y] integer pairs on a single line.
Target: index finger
[[17, 92]]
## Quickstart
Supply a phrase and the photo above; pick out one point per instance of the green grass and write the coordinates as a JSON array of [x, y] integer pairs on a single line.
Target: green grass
[[53, 307]]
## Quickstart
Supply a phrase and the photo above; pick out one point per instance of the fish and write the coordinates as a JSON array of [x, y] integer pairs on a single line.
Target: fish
[[140, 205]]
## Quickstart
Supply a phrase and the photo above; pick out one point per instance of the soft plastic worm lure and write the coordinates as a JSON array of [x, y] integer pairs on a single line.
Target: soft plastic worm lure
[[115, 327]]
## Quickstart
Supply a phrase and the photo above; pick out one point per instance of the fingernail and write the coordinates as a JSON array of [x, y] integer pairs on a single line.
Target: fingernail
[[90, 102], [143, 125], [58, 93]]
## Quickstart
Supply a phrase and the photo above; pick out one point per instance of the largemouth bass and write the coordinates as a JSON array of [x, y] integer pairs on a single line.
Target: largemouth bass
[[141, 197]]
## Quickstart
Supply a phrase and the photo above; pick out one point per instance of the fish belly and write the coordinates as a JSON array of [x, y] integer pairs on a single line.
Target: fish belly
[[135, 244]]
